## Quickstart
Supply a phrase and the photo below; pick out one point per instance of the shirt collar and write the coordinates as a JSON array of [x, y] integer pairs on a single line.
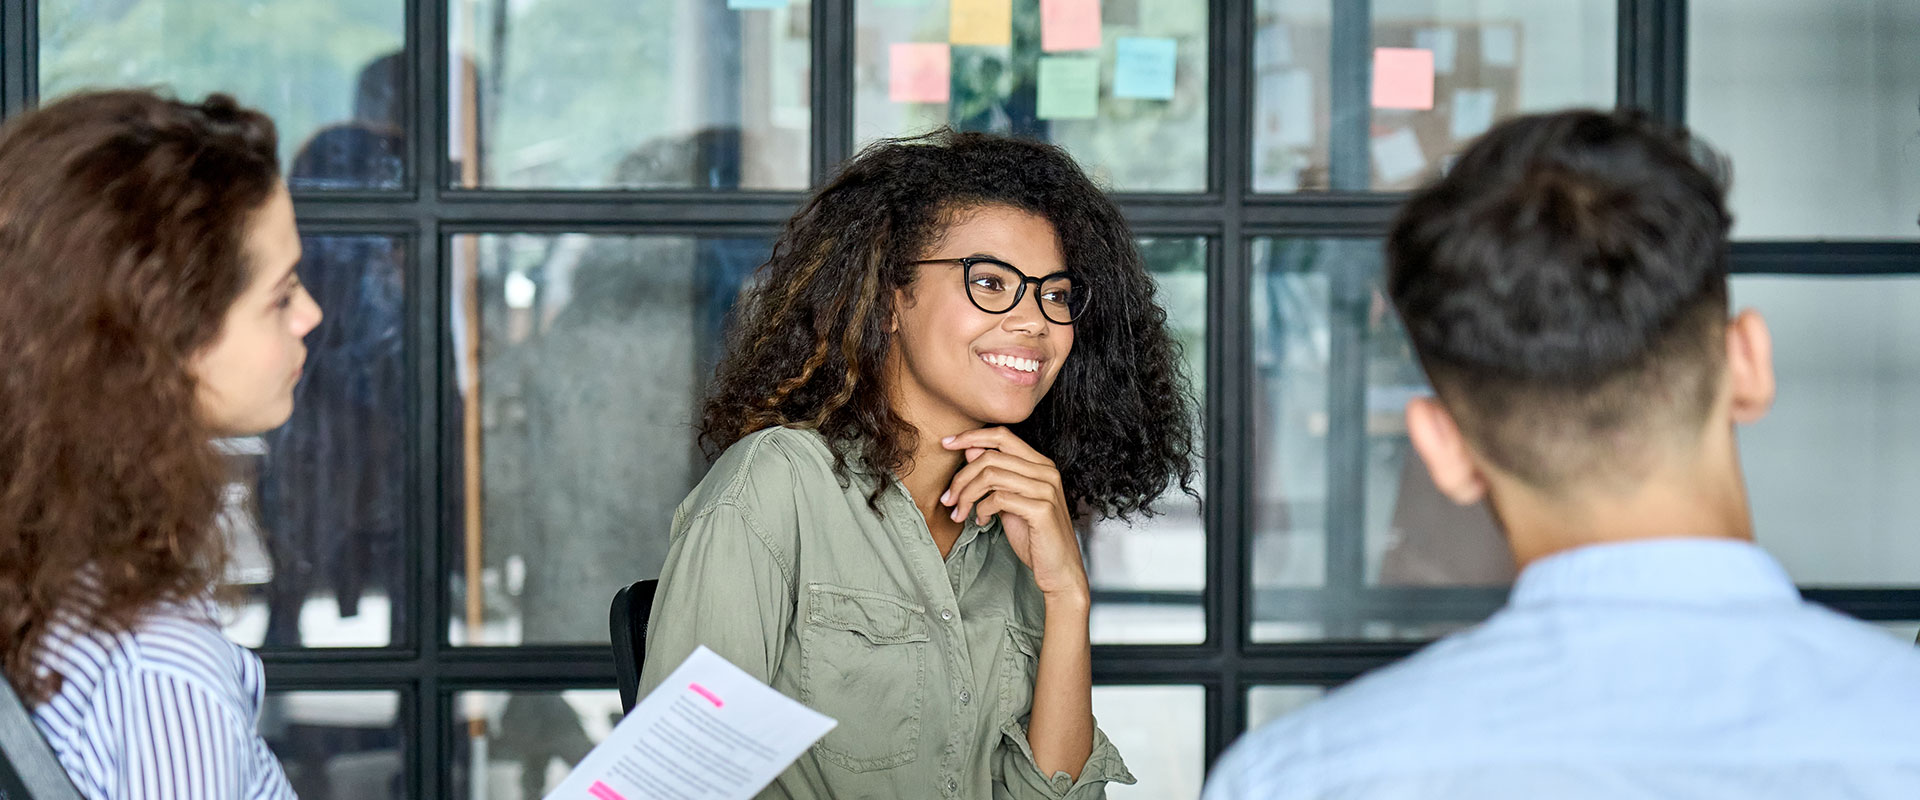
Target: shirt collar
[[1682, 571]]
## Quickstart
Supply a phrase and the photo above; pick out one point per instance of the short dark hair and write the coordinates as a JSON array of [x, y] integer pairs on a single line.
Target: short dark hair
[[1565, 286]]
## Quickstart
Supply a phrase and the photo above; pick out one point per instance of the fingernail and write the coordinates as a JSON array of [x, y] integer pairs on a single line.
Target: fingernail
[[944, 499], [957, 514], [948, 440]]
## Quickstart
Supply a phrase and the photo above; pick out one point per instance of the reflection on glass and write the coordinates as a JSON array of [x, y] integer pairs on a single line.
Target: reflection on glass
[[1113, 105], [337, 745], [1292, 355], [1148, 576], [1268, 703], [1844, 163], [521, 745], [1419, 566], [334, 88], [1478, 63], [318, 506], [590, 354], [629, 94], [1831, 470], [1159, 731]]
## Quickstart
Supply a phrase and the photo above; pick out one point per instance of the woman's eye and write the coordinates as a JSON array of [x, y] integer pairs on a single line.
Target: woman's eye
[[1058, 296], [990, 283]]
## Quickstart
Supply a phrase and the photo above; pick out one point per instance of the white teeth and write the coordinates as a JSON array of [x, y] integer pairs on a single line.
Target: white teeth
[[1010, 362]]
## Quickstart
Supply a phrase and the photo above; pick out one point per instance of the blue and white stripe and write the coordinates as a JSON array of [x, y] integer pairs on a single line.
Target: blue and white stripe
[[168, 710]]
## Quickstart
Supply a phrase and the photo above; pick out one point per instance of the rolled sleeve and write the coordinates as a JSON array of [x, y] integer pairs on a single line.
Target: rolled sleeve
[[1024, 781], [725, 585]]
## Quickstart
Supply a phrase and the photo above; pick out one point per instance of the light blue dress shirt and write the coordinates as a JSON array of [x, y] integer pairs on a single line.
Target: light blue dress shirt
[[1672, 668]]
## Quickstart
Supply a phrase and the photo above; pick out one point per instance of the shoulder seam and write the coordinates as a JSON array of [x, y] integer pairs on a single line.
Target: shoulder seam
[[780, 557]]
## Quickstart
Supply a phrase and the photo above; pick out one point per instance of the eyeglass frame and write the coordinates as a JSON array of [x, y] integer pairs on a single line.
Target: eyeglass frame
[[1019, 292]]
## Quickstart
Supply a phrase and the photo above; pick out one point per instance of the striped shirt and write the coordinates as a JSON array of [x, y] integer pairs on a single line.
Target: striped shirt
[[168, 710]]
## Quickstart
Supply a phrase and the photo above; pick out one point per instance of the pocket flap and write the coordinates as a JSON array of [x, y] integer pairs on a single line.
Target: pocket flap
[[1025, 638], [880, 618]]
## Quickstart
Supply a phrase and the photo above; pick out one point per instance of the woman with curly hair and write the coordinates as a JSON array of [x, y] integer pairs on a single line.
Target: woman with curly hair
[[150, 306], [953, 353]]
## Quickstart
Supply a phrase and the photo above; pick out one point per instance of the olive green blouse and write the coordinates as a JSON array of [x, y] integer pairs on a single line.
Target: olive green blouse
[[928, 664]]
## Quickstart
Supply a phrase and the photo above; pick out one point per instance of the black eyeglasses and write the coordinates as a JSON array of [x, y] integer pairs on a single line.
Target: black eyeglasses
[[996, 287]]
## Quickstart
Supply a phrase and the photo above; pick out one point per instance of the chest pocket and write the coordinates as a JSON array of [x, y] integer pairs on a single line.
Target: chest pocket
[[1019, 666], [863, 659]]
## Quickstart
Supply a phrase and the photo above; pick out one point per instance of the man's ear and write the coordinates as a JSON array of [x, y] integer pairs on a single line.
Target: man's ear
[[1750, 367], [1436, 437]]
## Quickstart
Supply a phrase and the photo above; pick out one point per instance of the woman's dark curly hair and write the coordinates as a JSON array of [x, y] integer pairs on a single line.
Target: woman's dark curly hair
[[123, 219], [810, 343]]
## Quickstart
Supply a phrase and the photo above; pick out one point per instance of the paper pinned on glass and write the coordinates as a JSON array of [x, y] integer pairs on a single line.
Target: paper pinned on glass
[[710, 732]]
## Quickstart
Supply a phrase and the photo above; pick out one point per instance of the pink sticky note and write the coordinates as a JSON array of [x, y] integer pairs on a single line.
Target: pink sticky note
[[1069, 25], [1402, 78], [919, 73], [601, 790]]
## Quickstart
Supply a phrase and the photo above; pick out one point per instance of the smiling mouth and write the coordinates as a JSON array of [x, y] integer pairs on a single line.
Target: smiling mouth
[[1026, 365]]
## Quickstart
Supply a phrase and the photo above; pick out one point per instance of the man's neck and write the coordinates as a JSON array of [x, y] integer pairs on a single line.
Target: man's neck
[[1706, 501]]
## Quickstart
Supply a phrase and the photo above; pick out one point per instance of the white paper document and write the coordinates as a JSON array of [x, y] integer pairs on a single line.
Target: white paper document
[[710, 732]]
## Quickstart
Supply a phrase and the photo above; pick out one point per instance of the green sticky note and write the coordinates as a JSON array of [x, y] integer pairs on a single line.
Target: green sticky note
[[1069, 87]]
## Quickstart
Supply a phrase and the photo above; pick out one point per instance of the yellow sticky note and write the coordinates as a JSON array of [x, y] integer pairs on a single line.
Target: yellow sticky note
[[980, 22]]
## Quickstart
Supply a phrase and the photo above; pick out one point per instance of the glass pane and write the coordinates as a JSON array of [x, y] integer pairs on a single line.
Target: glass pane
[[1437, 75], [521, 745], [629, 94], [330, 72], [1148, 576], [1268, 703], [1831, 469], [1291, 360], [317, 512], [591, 354], [1418, 567], [1124, 90], [1843, 163], [338, 745], [1160, 731]]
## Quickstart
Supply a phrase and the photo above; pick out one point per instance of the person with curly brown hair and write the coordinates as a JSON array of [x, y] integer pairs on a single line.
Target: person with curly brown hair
[[147, 250], [952, 355]]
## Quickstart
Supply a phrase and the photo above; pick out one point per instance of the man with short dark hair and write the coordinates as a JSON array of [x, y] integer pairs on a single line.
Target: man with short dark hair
[[1565, 286]]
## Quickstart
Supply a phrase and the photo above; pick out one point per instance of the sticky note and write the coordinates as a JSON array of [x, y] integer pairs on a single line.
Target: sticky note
[[750, 5], [1472, 113], [919, 73], [1397, 156], [1272, 47], [980, 22], [1498, 47], [1444, 43], [1069, 25], [1402, 78], [1143, 68], [1286, 107], [1069, 88]]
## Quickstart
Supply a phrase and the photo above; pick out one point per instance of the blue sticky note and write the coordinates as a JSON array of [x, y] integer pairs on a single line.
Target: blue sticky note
[[1143, 68], [751, 5]]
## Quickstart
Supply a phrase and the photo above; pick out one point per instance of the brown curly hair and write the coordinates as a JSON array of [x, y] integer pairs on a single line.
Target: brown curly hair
[[123, 218], [810, 345]]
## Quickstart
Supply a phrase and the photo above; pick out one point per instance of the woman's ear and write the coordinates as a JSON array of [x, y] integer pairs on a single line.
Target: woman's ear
[[1437, 438]]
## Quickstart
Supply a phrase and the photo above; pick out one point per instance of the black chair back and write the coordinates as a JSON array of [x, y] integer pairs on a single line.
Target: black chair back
[[28, 768], [628, 620]]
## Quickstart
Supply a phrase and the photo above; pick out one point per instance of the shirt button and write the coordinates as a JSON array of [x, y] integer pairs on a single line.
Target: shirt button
[[946, 615], [965, 697], [952, 785]]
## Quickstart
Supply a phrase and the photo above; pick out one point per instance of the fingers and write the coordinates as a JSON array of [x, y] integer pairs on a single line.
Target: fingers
[[999, 439], [961, 486], [1027, 508], [996, 482]]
